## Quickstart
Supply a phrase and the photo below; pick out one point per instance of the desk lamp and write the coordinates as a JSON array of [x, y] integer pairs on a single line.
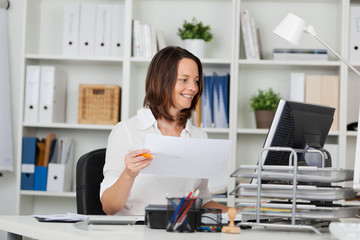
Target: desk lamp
[[291, 28]]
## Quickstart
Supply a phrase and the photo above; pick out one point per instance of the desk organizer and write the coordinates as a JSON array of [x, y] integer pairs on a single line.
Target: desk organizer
[[211, 220], [99, 104], [159, 216], [183, 215], [304, 206]]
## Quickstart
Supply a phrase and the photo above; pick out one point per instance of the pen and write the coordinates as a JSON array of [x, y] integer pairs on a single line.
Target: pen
[[146, 155], [183, 216], [174, 206], [178, 209]]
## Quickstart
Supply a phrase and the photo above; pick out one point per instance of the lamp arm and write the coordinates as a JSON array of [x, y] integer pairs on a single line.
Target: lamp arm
[[338, 55]]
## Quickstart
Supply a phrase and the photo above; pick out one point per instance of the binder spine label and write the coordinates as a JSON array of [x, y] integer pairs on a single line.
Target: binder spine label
[[27, 168]]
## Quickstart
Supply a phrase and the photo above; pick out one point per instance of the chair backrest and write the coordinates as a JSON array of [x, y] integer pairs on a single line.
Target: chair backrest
[[89, 175]]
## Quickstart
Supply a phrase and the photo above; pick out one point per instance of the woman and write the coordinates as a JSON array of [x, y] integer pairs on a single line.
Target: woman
[[174, 84]]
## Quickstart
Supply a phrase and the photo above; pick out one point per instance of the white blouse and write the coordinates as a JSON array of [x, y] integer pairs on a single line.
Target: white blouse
[[147, 189]]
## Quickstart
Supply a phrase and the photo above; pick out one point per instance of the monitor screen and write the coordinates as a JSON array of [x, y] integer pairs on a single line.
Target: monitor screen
[[299, 126]]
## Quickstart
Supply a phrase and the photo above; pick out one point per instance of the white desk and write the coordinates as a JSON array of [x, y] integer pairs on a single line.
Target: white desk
[[28, 226]]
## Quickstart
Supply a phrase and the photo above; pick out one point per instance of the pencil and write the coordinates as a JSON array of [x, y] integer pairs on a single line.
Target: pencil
[[146, 155], [183, 215], [179, 209], [174, 206]]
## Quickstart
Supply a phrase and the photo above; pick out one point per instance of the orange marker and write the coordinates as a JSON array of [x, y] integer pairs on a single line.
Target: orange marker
[[146, 155]]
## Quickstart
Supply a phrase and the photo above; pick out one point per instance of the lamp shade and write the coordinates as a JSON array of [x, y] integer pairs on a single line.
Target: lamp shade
[[290, 28]]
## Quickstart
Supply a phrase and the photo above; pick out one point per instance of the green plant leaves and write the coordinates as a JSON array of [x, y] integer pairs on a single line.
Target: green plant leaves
[[264, 100], [195, 30]]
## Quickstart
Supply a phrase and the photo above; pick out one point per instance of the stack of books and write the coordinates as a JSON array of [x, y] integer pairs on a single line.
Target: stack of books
[[146, 40], [300, 54], [251, 36]]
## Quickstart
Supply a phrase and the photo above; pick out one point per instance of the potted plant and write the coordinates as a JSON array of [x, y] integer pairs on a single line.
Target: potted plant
[[264, 103], [195, 34]]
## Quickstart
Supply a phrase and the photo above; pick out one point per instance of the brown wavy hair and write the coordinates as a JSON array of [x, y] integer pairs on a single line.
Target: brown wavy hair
[[160, 82]]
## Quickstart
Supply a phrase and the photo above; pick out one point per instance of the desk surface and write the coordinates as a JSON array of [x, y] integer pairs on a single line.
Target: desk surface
[[30, 227]]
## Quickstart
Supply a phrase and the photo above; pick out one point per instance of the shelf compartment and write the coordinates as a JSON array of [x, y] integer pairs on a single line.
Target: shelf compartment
[[70, 126], [48, 194], [270, 62], [57, 57]]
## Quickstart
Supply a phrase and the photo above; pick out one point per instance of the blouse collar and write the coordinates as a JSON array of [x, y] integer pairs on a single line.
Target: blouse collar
[[145, 119]]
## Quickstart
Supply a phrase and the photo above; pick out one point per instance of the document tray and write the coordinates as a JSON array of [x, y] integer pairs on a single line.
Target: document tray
[[304, 174], [305, 192], [303, 210]]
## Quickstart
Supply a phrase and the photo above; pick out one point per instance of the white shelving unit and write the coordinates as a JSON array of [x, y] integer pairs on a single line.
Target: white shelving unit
[[224, 54]]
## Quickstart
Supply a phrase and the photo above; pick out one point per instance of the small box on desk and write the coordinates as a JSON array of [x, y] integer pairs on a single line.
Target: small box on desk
[[155, 216], [99, 104]]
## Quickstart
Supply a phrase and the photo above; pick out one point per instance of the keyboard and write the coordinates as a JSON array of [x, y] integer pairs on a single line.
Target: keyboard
[[345, 230]]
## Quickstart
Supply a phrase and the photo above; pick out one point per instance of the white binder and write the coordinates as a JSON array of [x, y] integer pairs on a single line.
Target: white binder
[[31, 109], [117, 30], [297, 86], [60, 172], [52, 95], [103, 29], [354, 41], [87, 29], [71, 29]]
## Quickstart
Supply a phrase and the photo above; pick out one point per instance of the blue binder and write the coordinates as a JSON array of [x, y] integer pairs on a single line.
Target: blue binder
[[221, 101], [40, 180], [207, 108], [29, 153]]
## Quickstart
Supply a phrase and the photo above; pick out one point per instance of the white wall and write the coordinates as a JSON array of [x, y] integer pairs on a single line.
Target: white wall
[[8, 186]]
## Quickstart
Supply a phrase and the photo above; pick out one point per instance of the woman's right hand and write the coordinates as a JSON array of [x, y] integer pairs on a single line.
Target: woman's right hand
[[135, 162]]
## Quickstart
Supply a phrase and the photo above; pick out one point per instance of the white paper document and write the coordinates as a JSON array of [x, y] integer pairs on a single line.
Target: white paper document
[[68, 217], [187, 157]]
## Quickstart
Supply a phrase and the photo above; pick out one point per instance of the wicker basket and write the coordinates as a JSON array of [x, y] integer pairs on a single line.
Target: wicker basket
[[99, 104]]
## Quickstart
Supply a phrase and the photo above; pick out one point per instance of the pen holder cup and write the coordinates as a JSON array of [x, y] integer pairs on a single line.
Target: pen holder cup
[[183, 215], [211, 220]]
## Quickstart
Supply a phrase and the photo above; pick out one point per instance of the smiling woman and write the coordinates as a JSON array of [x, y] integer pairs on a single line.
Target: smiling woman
[[174, 84], [186, 86]]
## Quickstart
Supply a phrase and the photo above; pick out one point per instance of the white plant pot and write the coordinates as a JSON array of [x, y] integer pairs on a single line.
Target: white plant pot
[[196, 47]]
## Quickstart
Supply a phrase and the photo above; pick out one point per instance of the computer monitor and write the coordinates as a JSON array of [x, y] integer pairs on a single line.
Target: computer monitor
[[299, 126], [356, 180]]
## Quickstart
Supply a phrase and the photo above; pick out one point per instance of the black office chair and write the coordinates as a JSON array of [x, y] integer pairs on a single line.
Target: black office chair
[[89, 175]]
